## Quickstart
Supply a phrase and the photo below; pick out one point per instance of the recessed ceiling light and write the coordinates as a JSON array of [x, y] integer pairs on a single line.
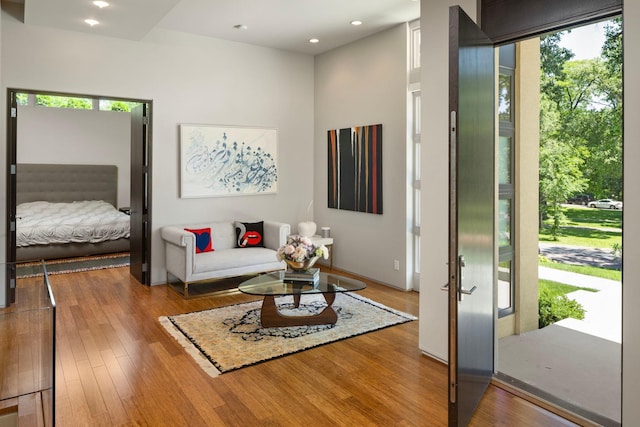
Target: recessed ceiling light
[[91, 22], [101, 3], [314, 40], [356, 23], [240, 27]]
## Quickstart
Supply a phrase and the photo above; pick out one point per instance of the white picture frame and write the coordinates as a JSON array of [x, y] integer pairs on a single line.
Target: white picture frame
[[220, 161]]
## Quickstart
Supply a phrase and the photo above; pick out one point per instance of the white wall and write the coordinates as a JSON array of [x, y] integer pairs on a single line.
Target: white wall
[[434, 236], [365, 83], [190, 79], [631, 234], [70, 136]]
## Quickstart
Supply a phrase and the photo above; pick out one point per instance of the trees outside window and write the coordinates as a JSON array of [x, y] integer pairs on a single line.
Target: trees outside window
[[580, 122]]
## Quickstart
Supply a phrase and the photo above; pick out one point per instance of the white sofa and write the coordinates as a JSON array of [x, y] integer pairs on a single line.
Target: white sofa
[[226, 260]]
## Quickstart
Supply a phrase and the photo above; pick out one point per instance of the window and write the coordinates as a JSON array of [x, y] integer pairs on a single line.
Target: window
[[415, 45], [414, 148], [414, 55], [114, 105], [22, 99], [506, 214], [55, 101], [64, 102], [416, 185], [504, 286]]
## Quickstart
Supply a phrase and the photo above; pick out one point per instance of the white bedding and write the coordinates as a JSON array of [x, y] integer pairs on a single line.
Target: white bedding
[[93, 221]]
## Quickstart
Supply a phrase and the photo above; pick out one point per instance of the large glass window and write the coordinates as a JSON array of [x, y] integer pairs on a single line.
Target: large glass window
[[414, 150], [416, 185], [506, 208]]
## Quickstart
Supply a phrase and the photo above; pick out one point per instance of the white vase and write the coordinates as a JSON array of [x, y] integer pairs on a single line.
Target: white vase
[[307, 228]]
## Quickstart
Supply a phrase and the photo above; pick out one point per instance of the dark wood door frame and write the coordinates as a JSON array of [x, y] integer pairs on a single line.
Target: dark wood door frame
[[140, 193], [10, 272], [12, 145]]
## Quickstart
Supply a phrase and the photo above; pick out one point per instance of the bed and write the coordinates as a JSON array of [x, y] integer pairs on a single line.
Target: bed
[[65, 211]]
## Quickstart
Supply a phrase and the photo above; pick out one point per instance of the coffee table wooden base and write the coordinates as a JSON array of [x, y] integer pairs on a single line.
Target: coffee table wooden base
[[270, 316]]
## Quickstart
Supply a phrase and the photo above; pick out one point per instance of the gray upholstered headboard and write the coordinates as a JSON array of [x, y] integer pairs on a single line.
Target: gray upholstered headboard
[[66, 183]]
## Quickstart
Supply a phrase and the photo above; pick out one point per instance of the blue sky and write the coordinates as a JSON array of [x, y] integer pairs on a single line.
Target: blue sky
[[586, 42]]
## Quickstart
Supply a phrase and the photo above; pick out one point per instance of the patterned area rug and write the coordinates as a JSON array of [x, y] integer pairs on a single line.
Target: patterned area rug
[[72, 265], [228, 338]]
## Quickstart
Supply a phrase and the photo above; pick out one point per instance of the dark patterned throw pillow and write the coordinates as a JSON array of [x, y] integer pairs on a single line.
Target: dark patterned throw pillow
[[203, 239], [249, 234]]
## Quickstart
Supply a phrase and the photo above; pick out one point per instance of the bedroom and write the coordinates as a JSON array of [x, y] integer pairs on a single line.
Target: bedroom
[[98, 138]]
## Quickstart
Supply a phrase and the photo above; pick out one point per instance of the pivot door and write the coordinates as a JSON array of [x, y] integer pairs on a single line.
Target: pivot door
[[471, 216]]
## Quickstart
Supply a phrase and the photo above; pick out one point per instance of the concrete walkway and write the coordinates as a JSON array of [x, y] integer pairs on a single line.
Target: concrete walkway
[[603, 309], [576, 362]]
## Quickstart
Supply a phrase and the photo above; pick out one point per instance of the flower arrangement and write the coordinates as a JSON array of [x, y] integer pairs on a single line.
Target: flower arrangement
[[301, 249]]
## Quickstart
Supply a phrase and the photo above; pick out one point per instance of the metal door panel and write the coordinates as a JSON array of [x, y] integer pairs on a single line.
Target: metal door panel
[[471, 210]]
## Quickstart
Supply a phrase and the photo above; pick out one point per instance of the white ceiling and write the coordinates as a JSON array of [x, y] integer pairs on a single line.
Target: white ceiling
[[282, 24]]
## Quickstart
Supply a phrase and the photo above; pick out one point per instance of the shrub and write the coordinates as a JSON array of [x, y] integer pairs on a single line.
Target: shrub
[[553, 308], [616, 250]]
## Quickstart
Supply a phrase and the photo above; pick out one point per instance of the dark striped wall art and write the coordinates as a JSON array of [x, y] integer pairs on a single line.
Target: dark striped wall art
[[355, 169]]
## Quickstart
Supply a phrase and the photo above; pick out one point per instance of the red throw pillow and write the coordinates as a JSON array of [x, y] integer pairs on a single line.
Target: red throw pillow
[[203, 239]]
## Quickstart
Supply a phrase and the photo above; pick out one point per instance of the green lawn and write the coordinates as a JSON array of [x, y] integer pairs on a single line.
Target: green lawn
[[582, 237], [589, 217], [560, 288], [585, 227], [605, 273], [598, 228]]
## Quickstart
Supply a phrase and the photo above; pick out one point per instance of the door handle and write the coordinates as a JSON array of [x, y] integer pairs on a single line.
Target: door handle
[[468, 292], [461, 291]]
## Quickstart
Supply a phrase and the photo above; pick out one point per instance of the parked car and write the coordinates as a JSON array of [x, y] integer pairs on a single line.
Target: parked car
[[581, 199], [606, 204]]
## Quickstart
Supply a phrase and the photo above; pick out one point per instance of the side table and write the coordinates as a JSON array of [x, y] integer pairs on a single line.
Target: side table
[[326, 241]]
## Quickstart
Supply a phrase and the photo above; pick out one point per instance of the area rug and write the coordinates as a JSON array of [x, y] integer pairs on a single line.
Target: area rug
[[231, 337], [71, 265]]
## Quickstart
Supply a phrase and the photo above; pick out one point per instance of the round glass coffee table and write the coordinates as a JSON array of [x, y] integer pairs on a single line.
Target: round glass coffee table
[[275, 284]]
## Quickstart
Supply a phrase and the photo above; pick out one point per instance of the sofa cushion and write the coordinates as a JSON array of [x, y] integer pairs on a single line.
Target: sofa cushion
[[233, 258], [224, 235], [249, 234], [203, 239]]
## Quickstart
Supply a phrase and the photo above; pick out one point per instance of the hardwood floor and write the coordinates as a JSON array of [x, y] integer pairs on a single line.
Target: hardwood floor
[[117, 366]]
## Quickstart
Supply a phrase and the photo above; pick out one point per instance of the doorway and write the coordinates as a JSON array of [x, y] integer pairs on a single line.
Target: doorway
[[504, 23], [137, 165], [549, 356]]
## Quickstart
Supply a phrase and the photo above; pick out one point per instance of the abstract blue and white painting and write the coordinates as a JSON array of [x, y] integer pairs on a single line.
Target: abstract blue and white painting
[[227, 161]]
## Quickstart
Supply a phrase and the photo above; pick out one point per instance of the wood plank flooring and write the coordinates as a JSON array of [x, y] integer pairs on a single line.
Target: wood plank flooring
[[117, 366]]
